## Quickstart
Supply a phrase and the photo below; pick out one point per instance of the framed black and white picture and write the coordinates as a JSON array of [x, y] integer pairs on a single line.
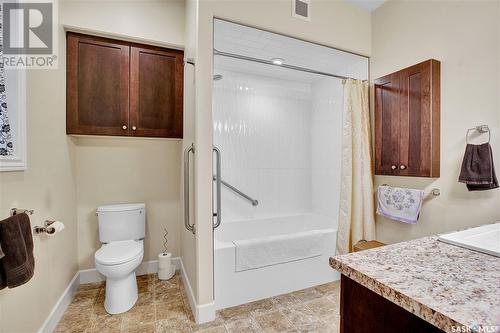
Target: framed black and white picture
[[13, 120], [12, 115]]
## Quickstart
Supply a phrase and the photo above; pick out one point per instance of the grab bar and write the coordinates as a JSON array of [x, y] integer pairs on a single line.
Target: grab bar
[[253, 201], [187, 170], [218, 182]]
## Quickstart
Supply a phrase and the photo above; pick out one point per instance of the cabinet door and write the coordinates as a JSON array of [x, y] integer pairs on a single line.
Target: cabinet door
[[156, 92], [97, 86], [419, 137], [387, 125]]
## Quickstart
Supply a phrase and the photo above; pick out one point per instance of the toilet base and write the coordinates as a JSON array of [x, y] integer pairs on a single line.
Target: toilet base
[[121, 294]]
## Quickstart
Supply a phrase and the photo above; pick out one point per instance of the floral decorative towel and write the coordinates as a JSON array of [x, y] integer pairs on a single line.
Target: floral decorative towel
[[400, 204]]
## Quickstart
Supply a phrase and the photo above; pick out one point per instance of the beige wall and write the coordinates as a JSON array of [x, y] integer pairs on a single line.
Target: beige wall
[[117, 170], [334, 23], [465, 37], [158, 20], [48, 187]]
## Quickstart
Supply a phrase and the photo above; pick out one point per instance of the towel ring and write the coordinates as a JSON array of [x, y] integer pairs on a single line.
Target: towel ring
[[481, 129]]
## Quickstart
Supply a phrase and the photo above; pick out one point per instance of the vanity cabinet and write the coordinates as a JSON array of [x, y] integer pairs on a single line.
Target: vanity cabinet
[[123, 89], [407, 121]]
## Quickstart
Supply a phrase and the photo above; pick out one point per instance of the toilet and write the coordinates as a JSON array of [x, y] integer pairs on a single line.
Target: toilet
[[121, 232]]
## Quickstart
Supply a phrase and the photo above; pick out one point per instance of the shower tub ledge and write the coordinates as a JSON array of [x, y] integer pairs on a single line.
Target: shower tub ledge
[[234, 288]]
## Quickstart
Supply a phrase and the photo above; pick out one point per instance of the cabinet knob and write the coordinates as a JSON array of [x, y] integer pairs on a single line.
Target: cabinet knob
[[393, 167], [124, 127], [402, 167], [134, 128]]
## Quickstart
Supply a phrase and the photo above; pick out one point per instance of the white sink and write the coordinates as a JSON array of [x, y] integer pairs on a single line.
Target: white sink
[[485, 239]]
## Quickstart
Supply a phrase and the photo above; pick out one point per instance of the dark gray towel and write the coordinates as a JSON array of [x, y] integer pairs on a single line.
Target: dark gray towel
[[18, 264], [478, 169]]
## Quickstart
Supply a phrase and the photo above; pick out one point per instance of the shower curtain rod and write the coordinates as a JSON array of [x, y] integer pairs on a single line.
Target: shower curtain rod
[[268, 62]]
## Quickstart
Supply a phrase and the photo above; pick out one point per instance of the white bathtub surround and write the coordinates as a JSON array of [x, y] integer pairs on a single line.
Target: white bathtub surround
[[262, 127], [234, 288], [326, 145], [279, 132], [356, 217], [272, 250]]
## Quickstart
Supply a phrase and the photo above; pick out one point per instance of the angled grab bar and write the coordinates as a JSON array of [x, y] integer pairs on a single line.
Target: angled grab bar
[[253, 201], [187, 170]]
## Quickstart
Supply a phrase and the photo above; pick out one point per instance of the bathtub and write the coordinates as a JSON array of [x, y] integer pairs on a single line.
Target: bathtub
[[234, 288]]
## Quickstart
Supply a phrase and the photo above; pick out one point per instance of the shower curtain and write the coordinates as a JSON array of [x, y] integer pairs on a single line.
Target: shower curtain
[[356, 216], [6, 146]]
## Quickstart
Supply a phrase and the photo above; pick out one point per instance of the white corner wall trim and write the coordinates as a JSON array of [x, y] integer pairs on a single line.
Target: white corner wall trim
[[202, 313], [61, 305], [205, 313]]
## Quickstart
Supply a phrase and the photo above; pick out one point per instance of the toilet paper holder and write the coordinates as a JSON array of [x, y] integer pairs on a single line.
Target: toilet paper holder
[[46, 229]]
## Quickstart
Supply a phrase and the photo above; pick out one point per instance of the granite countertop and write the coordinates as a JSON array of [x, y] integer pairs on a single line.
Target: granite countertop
[[443, 284]]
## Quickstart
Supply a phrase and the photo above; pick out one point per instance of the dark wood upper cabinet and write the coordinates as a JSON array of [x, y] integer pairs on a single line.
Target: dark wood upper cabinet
[[121, 88], [156, 83], [97, 86], [407, 121]]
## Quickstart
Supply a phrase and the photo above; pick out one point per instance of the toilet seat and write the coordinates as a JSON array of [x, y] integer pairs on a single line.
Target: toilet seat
[[116, 253]]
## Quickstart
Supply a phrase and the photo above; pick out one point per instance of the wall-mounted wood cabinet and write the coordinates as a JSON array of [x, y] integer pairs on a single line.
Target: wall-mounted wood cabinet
[[407, 121], [121, 88]]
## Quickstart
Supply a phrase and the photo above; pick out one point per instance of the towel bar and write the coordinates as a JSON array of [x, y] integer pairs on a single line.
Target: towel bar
[[15, 211], [434, 192]]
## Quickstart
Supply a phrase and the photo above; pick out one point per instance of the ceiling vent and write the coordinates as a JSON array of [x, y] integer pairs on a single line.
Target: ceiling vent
[[301, 9]]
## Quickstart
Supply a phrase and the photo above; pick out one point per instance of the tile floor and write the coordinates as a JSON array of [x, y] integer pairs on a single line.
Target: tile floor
[[163, 307]]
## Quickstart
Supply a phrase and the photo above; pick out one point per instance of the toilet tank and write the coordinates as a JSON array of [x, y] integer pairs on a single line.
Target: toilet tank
[[121, 222]]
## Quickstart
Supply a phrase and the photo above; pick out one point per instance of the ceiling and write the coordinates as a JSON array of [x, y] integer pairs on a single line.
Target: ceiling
[[242, 40], [369, 5]]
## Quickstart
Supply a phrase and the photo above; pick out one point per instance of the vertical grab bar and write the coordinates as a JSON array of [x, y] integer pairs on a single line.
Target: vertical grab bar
[[187, 171], [218, 181]]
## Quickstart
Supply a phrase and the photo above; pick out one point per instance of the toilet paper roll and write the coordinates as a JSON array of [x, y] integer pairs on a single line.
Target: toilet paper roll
[[165, 268], [164, 260], [54, 228]]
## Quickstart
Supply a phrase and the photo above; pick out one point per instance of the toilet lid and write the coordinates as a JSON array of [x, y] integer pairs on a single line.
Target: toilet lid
[[118, 252]]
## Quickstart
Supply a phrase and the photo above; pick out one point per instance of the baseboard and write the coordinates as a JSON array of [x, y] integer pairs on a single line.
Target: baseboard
[[61, 305], [202, 313], [147, 267]]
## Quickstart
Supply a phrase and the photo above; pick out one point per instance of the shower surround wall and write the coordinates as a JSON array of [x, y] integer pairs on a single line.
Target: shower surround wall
[[263, 128], [280, 142], [326, 145]]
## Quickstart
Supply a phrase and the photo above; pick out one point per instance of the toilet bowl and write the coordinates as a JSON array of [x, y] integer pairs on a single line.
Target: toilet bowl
[[117, 261], [121, 232]]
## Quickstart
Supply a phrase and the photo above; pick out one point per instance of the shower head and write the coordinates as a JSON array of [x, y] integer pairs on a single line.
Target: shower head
[[217, 77]]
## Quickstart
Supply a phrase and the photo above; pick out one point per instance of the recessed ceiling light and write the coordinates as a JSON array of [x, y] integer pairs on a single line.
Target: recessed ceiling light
[[278, 61]]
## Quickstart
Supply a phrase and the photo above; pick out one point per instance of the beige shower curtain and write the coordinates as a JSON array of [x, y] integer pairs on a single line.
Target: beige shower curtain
[[356, 216]]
